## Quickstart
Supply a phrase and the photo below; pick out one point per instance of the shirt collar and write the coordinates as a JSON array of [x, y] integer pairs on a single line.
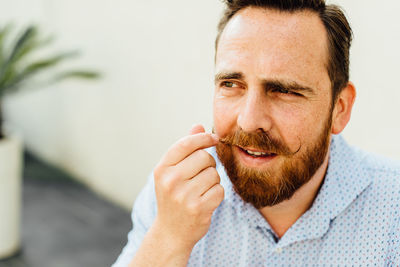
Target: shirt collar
[[345, 179]]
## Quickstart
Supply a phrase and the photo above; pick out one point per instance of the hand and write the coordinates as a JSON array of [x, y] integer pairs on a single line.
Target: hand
[[188, 189]]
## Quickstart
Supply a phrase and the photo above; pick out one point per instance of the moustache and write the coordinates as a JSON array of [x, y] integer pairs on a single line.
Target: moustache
[[258, 140]]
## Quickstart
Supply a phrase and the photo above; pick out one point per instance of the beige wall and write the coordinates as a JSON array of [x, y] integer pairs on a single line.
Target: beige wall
[[375, 58], [158, 63]]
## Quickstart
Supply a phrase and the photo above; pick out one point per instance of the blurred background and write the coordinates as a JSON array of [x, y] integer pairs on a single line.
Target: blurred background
[[156, 65]]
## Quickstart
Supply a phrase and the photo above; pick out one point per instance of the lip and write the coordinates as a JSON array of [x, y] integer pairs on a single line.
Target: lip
[[251, 161]]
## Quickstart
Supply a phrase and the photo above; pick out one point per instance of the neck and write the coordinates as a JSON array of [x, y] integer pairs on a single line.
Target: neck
[[283, 215]]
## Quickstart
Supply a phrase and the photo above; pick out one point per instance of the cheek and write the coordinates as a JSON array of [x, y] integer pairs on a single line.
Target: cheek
[[296, 124], [303, 125], [224, 118], [290, 126]]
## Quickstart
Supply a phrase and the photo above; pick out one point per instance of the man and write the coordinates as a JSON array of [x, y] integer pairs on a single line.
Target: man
[[277, 186]]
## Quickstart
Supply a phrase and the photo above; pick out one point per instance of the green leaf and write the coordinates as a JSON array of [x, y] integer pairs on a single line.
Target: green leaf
[[8, 76], [13, 80], [16, 69], [29, 47], [47, 63], [78, 74], [3, 34], [25, 38]]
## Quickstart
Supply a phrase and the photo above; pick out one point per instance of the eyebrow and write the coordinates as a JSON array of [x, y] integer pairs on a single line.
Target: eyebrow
[[287, 85], [228, 76], [268, 84]]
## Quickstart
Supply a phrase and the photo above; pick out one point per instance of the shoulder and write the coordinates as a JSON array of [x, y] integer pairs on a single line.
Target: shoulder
[[375, 178], [384, 174], [385, 171]]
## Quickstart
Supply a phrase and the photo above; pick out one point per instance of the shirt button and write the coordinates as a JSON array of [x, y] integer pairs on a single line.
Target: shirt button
[[278, 250]]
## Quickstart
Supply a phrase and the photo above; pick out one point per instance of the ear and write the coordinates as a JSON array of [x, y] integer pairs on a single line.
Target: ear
[[343, 106]]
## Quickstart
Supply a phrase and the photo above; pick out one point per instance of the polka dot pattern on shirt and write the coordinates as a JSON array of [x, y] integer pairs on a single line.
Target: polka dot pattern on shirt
[[354, 220]]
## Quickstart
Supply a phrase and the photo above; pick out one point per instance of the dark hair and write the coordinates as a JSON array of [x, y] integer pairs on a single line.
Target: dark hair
[[335, 22]]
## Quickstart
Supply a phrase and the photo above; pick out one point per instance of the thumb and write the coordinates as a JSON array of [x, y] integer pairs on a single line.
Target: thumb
[[196, 128]]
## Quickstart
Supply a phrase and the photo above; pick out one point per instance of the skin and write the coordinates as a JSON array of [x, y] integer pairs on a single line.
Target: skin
[[265, 45], [188, 191], [260, 45]]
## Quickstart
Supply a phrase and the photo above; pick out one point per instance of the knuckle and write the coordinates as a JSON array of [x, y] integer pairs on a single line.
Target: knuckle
[[213, 171], [213, 174], [208, 138], [209, 172], [176, 174], [208, 158], [216, 176], [212, 161], [201, 155], [219, 191], [184, 144], [179, 199], [167, 184]]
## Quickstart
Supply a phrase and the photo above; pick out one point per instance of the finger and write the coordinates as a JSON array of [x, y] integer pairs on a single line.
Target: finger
[[193, 164], [186, 146], [213, 197], [197, 128], [202, 182]]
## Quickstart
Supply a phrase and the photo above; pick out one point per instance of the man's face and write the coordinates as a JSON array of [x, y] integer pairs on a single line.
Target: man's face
[[272, 102]]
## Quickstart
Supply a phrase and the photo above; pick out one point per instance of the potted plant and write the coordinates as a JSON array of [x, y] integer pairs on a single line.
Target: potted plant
[[17, 67]]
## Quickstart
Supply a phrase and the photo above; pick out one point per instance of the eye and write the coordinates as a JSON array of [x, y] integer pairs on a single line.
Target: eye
[[229, 88], [283, 91], [286, 92], [228, 84]]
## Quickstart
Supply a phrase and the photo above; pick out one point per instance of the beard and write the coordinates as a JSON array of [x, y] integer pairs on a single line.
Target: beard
[[263, 188]]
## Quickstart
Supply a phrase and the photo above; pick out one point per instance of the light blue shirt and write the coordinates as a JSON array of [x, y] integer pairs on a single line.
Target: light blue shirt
[[354, 220]]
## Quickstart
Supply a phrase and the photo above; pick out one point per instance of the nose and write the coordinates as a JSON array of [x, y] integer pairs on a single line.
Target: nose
[[254, 112]]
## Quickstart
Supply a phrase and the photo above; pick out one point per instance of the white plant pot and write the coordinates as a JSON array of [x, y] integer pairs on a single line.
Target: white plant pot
[[10, 195]]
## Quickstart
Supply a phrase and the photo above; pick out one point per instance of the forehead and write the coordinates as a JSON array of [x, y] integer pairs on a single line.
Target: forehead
[[274, 43]]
